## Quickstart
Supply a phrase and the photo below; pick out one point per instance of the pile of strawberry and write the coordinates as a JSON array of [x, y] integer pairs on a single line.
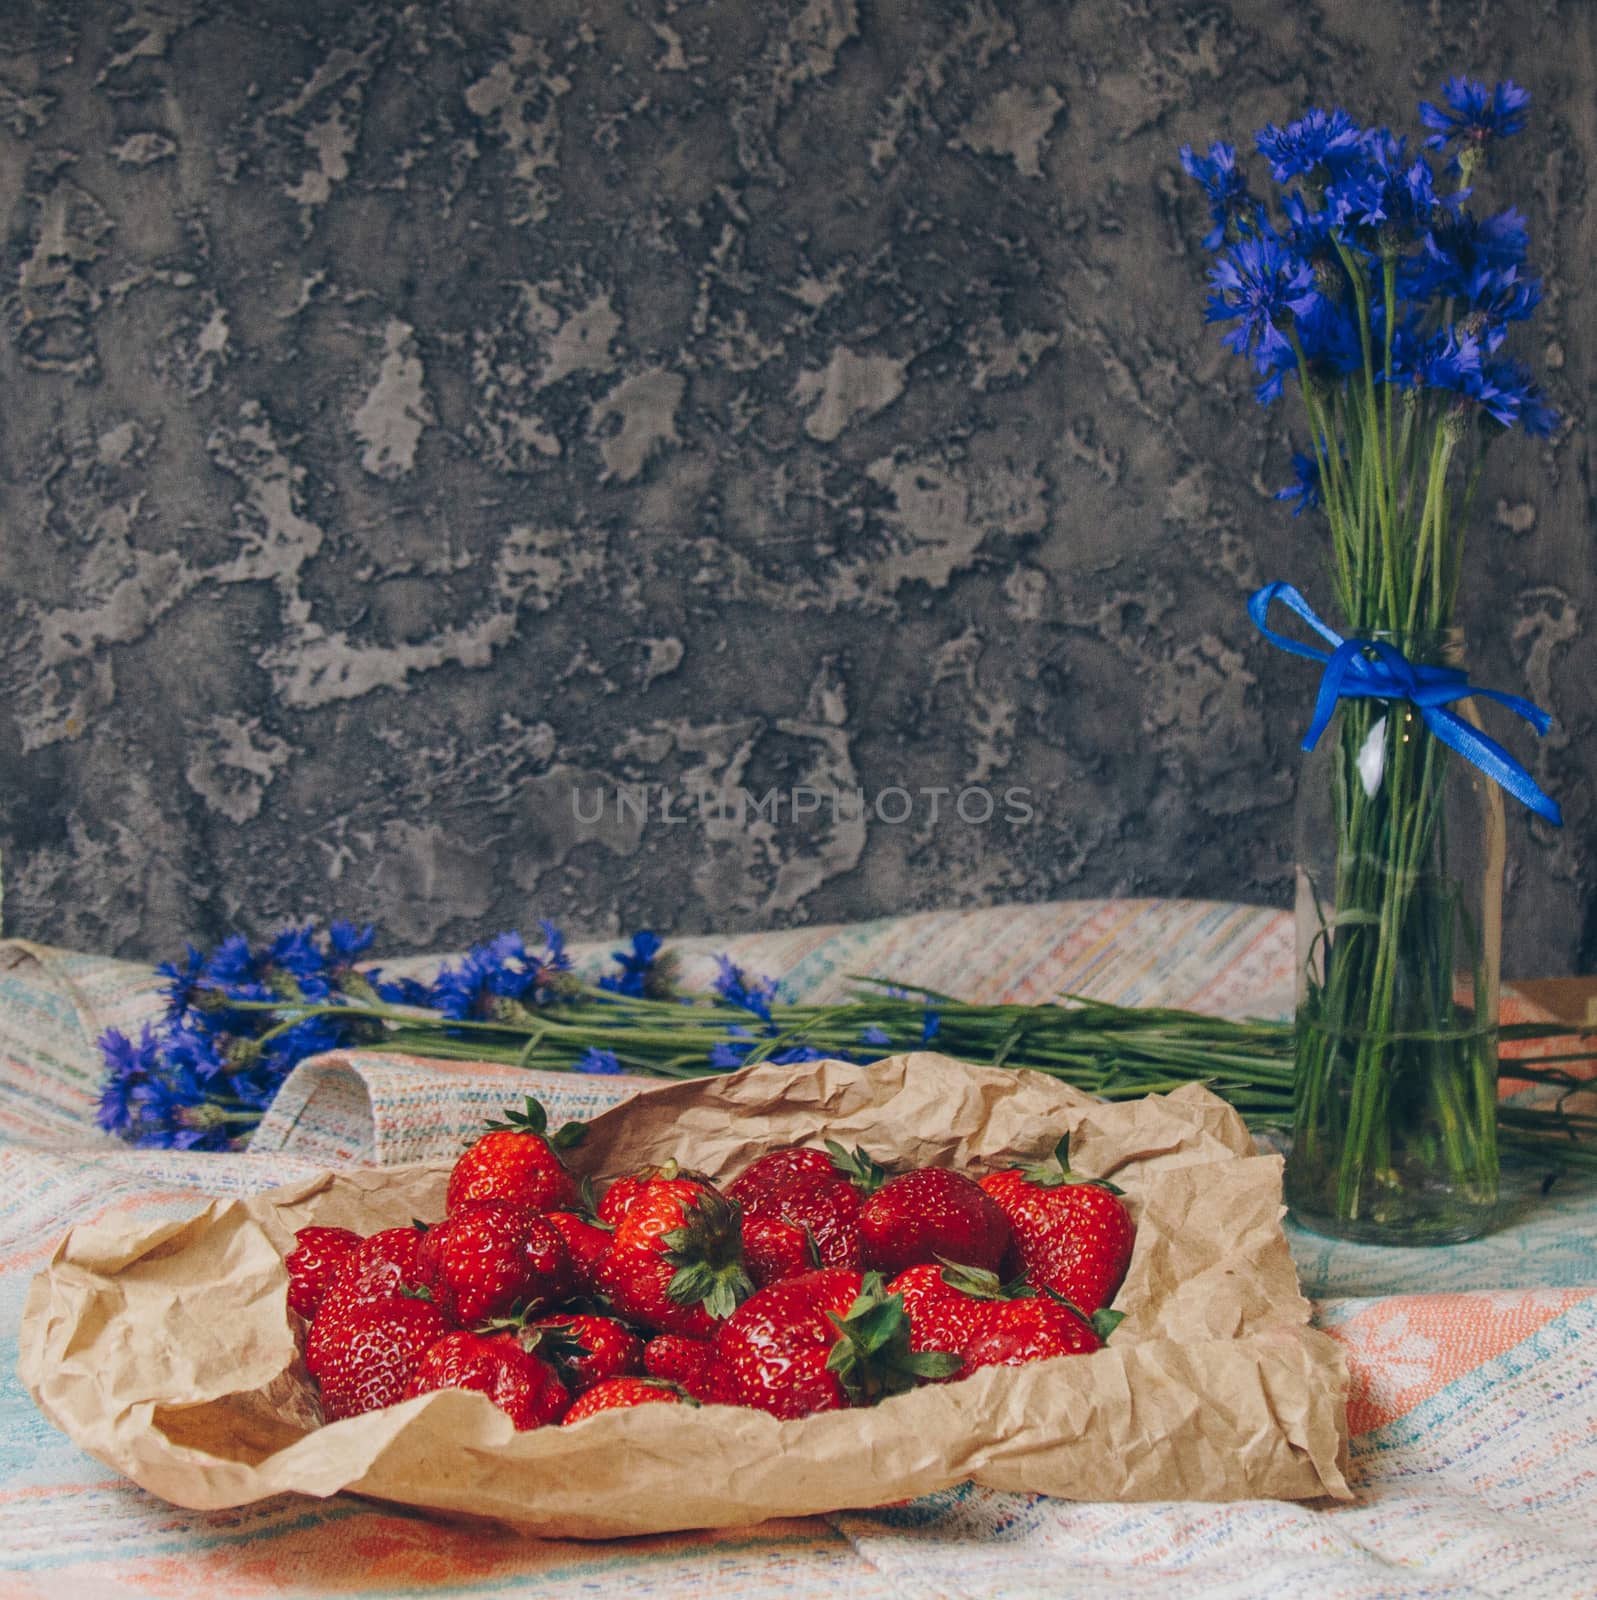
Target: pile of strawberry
[[812, 1281]]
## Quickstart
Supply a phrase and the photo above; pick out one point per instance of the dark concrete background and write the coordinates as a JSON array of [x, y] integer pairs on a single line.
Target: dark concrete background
[[416, 414]]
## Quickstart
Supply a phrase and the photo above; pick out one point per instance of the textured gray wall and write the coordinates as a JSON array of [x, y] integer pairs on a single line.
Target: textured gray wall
[[416, 413]]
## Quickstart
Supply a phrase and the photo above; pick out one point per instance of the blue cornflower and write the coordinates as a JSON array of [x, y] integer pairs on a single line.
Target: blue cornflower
[[802, 1052], [873, 1033], [1384, 189], [636, 965], [734, 987], [128, 1066], [201, 1054], [931, 1026], [182, 982], [1223, 186], [399, 991], [232, 963], [596, 1060], [311, 1037], [729, 1054], [1308, 231], [555, 956], [1260, 285], [174, 1112], [502, 969], [1306, 491], [1475, 261], [346, 944], [1318, 142], [1478, 115]]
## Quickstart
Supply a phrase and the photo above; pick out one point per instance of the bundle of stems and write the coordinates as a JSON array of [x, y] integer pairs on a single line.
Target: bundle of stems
[[1111, 1051]]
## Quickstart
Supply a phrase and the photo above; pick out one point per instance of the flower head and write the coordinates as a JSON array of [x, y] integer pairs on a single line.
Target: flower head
[[501, 970], [1476, 115], [1261, 286], [346, 944], [1223, 186], [1319, 144], [182, 982], [1386, 191], [637, 966], [128, 1066], [596, 1060], [734, 987], [1307, 490], [874, 1034]]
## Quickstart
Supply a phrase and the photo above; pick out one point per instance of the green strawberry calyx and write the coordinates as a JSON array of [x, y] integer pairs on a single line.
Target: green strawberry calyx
[[866, 1174], [707, 1252], [980, 1284], [532, 1118], [1055, 1174], [872, 1357]]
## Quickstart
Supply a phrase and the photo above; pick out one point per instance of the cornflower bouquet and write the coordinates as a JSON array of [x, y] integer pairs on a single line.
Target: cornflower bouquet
[[237, 1020], [1379, 284]]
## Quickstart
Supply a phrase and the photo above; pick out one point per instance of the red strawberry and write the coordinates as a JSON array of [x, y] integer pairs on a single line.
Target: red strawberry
[[1074, 1235], [588, 1349], [932, 1214], [688, 1363], [313, 1263], [1012, 1332], [494, 1259], [619, 1393], [777, 1169], [820, 1342], [619, 1196], [624, 1190], [523, 1386], [820, 1191], [367, 1353], [774, 1248], [676, 1262], [945, 1305], [586, 1241], [514, 1161], [375, 1270]]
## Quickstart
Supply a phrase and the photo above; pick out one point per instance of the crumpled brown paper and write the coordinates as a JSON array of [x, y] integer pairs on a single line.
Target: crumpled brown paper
[[168, 1352]]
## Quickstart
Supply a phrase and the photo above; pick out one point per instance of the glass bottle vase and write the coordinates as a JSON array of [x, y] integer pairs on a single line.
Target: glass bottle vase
[[1400, 846]]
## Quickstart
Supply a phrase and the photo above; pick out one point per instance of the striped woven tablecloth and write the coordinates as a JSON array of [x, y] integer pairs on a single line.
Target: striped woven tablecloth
[[1474, 1403]]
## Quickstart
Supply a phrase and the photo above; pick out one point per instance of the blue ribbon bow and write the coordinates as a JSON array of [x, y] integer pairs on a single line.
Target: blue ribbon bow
[[1350, 674]]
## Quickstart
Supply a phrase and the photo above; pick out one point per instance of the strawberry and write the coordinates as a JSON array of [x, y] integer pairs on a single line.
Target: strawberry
[[617, 1393], [494, 1259], [375, 1269], [624, 1190], [515, 1161], [587, 1349], [774, 1248], [780, 1169], [822, 1341], [691, 1365], [524, 1386], [586, 1241], [931, 1214], [675, 1264], [818, 1191], [1074, 1235], [945, 1305], [619, 1196], [313, 1263], [367, 1353], [1012, 1332]]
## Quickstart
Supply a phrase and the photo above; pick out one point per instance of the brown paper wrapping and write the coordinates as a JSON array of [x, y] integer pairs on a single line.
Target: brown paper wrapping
[[169, 1352]]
